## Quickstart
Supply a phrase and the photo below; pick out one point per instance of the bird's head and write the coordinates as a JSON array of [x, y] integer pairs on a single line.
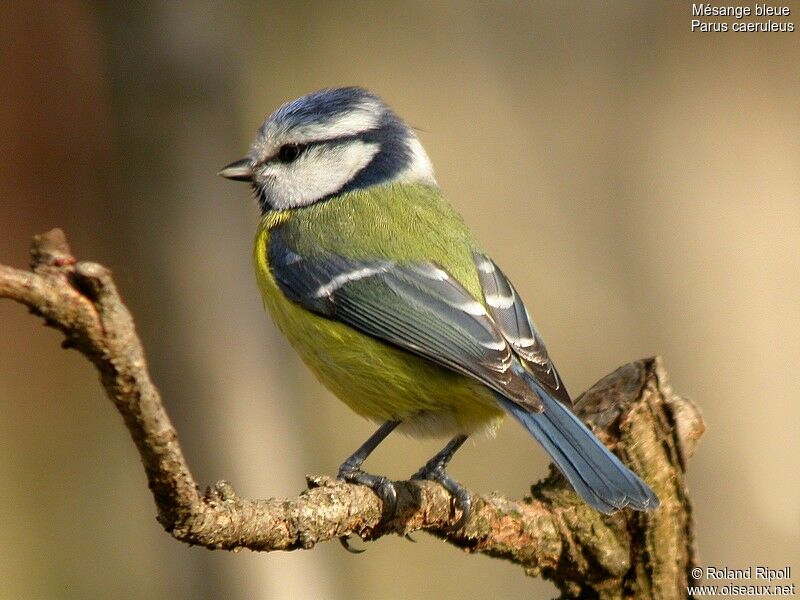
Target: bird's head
[[327, 143]]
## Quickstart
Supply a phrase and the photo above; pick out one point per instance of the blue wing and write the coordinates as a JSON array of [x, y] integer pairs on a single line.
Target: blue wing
[[417, 307], [512, 318]]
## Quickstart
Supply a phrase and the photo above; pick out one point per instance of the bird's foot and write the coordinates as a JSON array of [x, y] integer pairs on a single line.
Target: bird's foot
[[382, 486], [434, 471]]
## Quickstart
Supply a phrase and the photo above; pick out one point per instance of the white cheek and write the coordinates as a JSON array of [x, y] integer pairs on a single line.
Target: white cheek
[[319, 172]]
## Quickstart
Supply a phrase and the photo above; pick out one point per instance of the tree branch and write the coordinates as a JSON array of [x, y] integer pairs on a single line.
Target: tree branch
[[552, 533]]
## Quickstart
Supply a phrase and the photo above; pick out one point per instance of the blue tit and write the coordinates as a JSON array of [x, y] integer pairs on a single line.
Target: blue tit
[[385, 294]]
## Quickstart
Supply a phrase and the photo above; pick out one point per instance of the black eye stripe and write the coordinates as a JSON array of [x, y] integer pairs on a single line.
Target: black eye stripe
[[289, 153]]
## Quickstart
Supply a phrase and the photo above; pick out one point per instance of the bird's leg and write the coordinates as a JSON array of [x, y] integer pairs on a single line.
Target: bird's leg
[[351, 472], [434, 470]]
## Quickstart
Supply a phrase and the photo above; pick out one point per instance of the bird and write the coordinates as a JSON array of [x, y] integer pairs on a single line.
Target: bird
[[381, 288]]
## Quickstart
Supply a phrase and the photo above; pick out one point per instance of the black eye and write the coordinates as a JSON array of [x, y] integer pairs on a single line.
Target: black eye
[[289, 152]]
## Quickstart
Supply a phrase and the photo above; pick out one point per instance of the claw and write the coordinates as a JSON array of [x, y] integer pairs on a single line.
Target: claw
[[345, 542], [382, 486], [388, 495], [409, 538], [460, 495], [464, 502]]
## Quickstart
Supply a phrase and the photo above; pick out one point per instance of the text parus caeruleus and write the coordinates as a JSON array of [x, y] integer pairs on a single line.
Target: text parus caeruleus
[[387, 297]]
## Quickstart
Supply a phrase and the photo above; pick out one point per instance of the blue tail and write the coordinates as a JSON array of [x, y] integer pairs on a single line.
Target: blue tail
[[597, 475]]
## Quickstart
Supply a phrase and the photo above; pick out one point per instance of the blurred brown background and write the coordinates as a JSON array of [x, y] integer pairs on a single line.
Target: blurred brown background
[[638, 182]]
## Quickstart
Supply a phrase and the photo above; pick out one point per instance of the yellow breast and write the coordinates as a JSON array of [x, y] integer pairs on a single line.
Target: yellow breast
[[376, 380]]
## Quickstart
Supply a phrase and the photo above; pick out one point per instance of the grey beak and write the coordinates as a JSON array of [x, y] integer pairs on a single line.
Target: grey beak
[[241, 170]]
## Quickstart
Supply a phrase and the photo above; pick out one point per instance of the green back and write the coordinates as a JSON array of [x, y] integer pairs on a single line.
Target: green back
[[401, 222]]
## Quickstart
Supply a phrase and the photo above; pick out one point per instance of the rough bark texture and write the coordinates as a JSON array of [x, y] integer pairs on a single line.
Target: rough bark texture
[[552, 533]]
